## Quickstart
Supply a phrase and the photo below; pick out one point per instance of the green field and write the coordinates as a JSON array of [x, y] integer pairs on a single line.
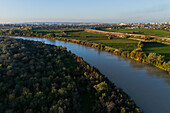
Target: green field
[[49, 30], [158, 48], [70, 32], [152, 32], [83, 34], [56, 30], [124, 44]]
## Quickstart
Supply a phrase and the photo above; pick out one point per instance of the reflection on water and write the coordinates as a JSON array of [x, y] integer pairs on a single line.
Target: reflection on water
[[137, 65], [147, 85]]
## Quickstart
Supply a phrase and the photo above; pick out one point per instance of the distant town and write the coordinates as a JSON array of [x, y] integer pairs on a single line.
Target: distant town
[[153, 25]]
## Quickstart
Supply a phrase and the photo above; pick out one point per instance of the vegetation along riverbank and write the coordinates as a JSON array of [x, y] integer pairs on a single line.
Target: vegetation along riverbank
[[149, 52], [35, 77]]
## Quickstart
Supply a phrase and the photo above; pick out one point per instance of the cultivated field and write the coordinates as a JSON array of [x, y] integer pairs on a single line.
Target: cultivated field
[[152, 32]]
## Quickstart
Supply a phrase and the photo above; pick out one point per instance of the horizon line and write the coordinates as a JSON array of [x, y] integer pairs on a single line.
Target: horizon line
[[77, 22]]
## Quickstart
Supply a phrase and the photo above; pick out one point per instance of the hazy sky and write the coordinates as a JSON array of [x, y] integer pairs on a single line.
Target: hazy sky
[[114, 11]]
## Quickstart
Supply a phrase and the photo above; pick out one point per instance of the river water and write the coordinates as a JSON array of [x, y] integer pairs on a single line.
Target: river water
[[148, 86]]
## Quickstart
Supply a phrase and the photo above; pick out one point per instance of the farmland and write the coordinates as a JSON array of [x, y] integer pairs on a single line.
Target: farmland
[[80, 34], [158, 48], [143, 31]]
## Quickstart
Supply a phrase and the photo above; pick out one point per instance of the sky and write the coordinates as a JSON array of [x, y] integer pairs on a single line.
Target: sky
[[108, 11]]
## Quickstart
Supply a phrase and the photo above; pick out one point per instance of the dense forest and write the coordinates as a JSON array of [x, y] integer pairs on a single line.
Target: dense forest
[[39, 78]]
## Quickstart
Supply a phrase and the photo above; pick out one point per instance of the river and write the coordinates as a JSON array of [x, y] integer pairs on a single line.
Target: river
[[148, 86]]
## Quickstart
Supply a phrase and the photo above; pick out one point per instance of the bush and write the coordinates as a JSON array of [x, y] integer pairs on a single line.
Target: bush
[[167, 66], [152, 58]]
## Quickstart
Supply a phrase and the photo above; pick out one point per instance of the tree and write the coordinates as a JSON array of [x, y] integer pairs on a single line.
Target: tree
[[101, 86]]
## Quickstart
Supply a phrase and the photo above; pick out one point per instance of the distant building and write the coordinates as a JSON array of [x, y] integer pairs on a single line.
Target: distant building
[[122, 24], [153, 23]]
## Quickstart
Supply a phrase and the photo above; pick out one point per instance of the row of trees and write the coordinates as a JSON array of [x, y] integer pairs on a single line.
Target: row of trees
[[152, 58]]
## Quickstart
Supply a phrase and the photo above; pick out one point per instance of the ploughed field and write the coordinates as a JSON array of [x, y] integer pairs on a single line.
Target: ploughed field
[[35, 77]]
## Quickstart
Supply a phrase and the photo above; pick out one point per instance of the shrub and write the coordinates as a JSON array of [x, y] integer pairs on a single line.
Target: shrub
[[167, 66], [152, 58]]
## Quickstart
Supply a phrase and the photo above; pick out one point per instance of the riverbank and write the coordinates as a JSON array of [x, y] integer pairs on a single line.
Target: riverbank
[[137, 54]]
